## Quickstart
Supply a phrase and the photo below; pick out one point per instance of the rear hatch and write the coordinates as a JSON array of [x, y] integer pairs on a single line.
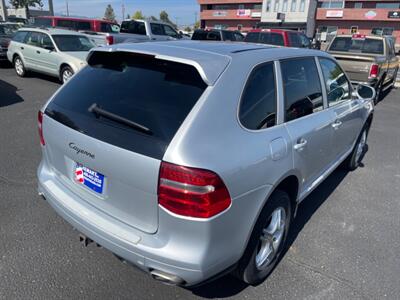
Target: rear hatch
[[356, 55], [107, 130]]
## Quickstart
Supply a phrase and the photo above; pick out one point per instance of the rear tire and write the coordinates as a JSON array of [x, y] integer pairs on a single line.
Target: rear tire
[[379, 91], [267, 240], [355, 158], [19, 66]]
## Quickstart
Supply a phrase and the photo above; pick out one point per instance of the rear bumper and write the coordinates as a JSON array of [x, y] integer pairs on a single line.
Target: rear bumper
[[192, 250]]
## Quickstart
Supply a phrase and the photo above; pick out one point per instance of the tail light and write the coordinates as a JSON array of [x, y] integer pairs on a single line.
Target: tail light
[[40, 125], [374, 71], [110, 40], [192, 192]]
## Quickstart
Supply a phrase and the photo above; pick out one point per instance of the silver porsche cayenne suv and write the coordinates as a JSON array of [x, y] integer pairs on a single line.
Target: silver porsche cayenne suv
[[189, 159]]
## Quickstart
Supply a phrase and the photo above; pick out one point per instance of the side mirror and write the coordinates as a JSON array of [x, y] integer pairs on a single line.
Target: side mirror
[[365, 92], [49, 47]]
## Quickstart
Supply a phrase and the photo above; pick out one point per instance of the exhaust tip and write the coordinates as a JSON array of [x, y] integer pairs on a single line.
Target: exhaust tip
[[166, 278]]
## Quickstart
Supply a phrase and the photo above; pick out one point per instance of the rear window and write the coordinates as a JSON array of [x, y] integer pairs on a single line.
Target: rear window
[[133, 27], [348, 44], [201, 35], [271, 38], [154, 93]]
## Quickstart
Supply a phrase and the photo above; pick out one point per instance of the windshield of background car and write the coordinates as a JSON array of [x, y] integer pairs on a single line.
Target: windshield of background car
[[73, 43], [155, 93], [8, 30], [133, 27], [270, 38], [201, 35], [348, 44]]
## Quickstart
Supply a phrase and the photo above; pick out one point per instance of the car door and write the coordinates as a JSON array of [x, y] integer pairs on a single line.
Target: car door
[[48, 55], [308, 123], [393, 60], [32, 51], [348, 120]]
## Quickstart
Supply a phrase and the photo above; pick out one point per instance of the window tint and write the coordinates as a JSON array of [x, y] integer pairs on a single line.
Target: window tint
[[43, 22], [154, 93], [133, 27], [83, 26], [272, 38], [238, 37], [34, 39], [65, 23], [258, 104], [294, 40], [168, 30], [46, 42], [305, 42], [157, 29], [302, 88], [20, 36], [202, 35], [228, 36], [358, 45], [337, 86], [252, 37]]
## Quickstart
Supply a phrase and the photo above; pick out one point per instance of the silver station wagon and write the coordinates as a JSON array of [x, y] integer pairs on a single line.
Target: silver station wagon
[[188, 159], [55, 52]]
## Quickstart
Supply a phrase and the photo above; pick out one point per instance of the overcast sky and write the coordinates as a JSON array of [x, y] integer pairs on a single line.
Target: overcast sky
[[184, 10]]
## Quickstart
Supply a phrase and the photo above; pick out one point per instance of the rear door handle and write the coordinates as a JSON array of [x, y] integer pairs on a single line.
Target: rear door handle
[[37, 51], [300, 145], [22, 48], [337, 124]]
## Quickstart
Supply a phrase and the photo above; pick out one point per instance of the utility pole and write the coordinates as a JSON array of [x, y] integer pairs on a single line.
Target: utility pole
[[123, 11], [51, 7], [67, 8], [176, 22], [3, 10]]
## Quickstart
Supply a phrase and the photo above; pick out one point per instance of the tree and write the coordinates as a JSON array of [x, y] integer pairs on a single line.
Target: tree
[[165, 18], [26, 4], [153, 18], [138, 15], [109, 14], [188, 29]]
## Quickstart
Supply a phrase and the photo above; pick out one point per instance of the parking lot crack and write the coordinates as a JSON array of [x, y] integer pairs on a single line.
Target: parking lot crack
[[335, 278]]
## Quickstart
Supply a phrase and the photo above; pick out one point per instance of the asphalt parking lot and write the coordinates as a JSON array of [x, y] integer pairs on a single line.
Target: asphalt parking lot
[[345, 243]]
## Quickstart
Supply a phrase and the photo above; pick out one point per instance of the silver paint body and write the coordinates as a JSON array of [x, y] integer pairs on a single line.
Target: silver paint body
[[128, 220]]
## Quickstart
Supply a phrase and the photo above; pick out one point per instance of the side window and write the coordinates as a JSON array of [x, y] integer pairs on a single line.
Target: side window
[[83, 26], [258, 104], [20, 36], [65, 24], [337, 86], [34, 39], [228, 36], [305, 42], [294, 40], [45, 41], [238, 37], [157, 29], [170, 32], [302, 88]]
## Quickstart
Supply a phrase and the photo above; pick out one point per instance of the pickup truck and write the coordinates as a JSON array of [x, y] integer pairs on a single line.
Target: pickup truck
[[136, 31], [367, 59]]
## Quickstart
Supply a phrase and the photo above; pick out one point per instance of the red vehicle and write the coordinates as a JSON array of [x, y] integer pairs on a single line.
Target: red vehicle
[[78, 24], [278, 37]]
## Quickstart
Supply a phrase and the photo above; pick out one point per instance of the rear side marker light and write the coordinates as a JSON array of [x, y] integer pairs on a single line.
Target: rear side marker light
[[192, 192], [109, 40], [40, 127]]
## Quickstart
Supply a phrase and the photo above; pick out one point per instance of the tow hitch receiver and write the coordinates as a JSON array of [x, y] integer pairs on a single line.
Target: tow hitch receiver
[[85, 240]]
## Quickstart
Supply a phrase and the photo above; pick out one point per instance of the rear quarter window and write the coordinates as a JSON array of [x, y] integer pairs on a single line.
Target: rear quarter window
[[272, 38], [20, 36], [348, 44], [154, 93]]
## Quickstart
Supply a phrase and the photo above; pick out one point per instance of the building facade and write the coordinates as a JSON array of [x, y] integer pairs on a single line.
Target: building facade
[[241, 15], [368, 17], [289, 14], [3, 10]]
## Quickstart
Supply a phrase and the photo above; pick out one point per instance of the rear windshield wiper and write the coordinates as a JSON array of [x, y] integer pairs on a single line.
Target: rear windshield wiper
[[94, 108]]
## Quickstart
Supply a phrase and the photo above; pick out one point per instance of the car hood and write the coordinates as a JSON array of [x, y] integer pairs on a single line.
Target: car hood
[[81, 55]]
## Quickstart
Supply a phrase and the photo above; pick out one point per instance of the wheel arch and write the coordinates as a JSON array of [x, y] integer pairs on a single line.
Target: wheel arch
[[62, 66]]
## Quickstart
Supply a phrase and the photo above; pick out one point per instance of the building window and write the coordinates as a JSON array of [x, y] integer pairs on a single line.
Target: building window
[[302, 5], [276, 7], [241, 6], [331, 4], [285, 5], [358, 5], [293, 5], [257, 6], [268, 6], [353, 29], [388, 5]]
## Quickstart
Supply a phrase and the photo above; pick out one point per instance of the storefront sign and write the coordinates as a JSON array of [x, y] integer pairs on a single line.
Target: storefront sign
[[243, 12], [370, 14], [220, 13], [394, 15], [256, 14], [334, 13]]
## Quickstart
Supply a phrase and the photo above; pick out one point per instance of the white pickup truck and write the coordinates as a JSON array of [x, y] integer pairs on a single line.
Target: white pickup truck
[[136, 31]]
